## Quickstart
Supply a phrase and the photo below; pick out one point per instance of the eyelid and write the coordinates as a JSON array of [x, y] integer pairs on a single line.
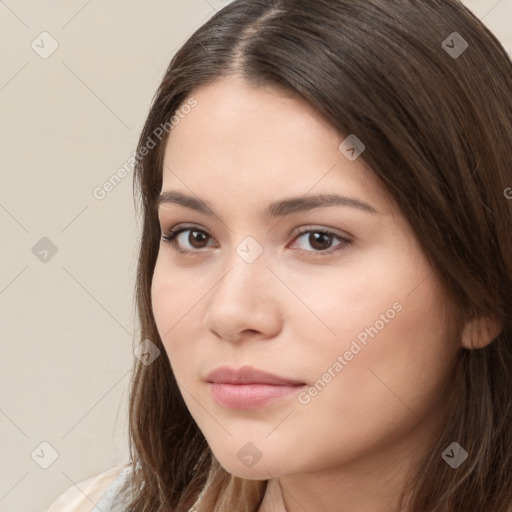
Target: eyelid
[[316, 228]]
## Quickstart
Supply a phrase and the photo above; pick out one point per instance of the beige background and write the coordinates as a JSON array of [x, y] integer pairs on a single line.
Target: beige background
[[68, 122]]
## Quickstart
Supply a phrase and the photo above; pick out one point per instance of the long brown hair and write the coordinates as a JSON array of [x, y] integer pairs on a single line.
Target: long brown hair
[[437, 125]]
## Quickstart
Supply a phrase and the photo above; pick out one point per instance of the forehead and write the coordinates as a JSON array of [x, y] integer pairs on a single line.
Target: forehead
[[260, 144]]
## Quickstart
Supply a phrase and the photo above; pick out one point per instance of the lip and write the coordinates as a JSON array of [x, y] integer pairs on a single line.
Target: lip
[[249, 396], [249, 388], [248, 375]]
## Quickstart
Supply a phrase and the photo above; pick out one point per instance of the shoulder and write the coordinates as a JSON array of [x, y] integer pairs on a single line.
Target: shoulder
[[85, 495]]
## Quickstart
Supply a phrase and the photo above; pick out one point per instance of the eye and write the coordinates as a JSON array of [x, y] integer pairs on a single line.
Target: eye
[[321, 240], [195, 238]]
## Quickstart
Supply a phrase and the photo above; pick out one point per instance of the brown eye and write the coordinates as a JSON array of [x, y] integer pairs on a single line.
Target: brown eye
[[195, 239], [322, 240]]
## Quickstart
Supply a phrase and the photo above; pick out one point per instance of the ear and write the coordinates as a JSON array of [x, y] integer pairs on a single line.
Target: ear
[[480, 332]]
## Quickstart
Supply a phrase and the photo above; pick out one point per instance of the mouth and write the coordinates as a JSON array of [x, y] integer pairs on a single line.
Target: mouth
[[249, 388]]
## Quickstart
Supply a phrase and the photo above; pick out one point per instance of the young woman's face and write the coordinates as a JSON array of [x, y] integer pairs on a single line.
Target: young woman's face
[[355, 315]]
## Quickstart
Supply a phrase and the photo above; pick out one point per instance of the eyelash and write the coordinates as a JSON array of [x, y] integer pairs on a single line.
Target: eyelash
[[169, 238]]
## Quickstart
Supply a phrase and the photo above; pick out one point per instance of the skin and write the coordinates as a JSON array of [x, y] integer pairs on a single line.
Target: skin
[[292, 312]]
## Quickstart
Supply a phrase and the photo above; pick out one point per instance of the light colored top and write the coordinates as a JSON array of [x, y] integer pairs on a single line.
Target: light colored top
[[102, 493], [95, 494]]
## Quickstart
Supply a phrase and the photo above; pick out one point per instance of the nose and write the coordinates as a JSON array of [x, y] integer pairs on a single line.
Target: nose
[[245, 302]]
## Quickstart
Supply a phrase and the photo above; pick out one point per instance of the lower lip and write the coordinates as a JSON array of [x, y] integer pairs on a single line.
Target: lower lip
[[249, 396]]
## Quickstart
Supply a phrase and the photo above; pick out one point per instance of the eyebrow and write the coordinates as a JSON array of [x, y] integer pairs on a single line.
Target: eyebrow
[[276, 209]]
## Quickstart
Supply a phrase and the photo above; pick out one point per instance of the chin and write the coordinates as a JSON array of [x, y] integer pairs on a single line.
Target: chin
[[250, 473], [261, 470]]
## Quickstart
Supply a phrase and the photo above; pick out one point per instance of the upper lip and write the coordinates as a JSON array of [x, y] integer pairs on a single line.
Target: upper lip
[[248, 375]]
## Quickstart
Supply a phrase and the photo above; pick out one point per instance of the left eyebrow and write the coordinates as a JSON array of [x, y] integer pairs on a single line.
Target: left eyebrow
[[276, 209], [299, 204]]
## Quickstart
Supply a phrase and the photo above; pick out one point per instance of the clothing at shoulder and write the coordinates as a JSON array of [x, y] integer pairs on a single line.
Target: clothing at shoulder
[[97, 493]]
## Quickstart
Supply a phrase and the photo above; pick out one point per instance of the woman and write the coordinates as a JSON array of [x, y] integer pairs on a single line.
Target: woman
[[325, 193]]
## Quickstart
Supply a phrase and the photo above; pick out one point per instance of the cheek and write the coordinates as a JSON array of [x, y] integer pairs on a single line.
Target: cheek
[[173, 301], [401, 370], [163, 299], [390, 326], [414, 356], [333, 305]]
